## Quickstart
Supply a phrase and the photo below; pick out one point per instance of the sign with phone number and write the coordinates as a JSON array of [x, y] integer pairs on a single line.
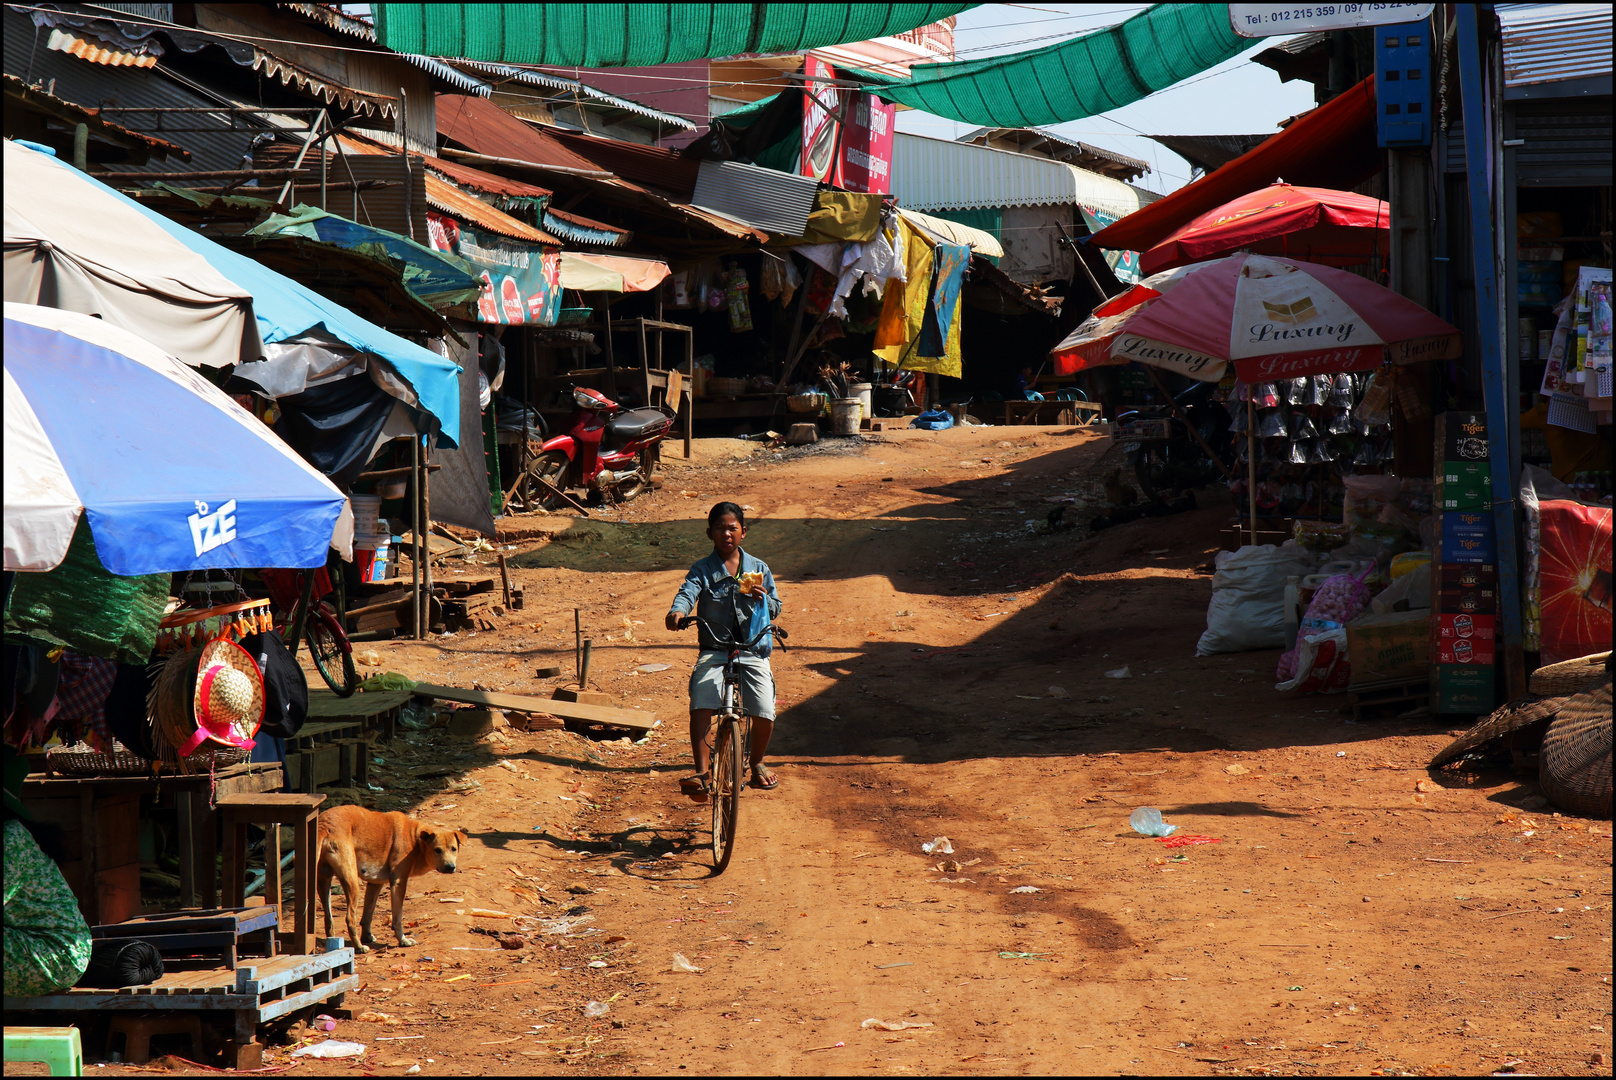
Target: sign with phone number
[[1273, 20]]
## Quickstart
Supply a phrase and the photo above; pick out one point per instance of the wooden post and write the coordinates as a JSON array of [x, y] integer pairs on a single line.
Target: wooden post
[[690, 362], [505, 580], [416, 620], [426, 548], [1184, 417]]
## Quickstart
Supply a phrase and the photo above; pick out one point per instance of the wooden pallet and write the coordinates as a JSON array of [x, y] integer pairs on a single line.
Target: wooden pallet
[[1382, 701], [634, 719], [375, 710], [255, 993], [181, 935]]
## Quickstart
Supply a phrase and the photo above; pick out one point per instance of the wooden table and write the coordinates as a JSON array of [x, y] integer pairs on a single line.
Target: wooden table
[[1057, 411], [103, 814]]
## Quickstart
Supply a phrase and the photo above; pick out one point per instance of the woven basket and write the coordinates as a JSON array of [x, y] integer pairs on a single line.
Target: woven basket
[[726, 387], [1570, 676], [1516, 718], [1575, 765], [82, 759], [805, 403]]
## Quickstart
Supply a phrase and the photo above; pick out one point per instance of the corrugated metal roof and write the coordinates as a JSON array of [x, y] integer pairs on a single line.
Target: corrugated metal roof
[[936, 174], [444, 196], [768, 199], [17, 90], [97, 52], [573, 86], [333, 18], [582, 230], [1552, 42]]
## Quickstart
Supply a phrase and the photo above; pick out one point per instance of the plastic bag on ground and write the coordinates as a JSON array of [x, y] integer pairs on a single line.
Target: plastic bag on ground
[[684, 966], [1248, 597], [331, 1048], [1147, 821], [1320, 665]]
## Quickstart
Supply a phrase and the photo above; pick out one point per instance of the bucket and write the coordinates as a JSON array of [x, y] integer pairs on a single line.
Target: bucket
[[367, 511], [371, 555], [844, 416], [863, 391]]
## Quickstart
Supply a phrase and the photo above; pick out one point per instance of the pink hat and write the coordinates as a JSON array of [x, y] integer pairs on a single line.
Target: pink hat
[[228, 703]]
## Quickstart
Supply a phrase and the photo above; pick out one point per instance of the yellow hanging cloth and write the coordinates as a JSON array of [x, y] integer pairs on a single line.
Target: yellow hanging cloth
[[904, 309]]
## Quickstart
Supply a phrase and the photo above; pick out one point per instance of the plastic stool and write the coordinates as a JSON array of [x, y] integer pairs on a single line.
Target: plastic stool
[[57, 1048], [137, 1032]]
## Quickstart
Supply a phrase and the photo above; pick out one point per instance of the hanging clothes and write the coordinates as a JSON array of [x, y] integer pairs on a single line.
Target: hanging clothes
[[903, 313], [736, 288], [948, 276]]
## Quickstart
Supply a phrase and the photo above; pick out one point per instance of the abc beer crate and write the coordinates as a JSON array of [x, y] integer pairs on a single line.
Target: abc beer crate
[[1463, 485], [1467, 537], [1465, 588], [1462, 688], [1461, 436], [1464, 639]]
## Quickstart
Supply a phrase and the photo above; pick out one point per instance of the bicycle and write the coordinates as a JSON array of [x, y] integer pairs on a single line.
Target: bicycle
[[727, 765], [329, 646]]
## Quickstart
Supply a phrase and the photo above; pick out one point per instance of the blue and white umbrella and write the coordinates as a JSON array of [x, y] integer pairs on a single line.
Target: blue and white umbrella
[[171, 472]]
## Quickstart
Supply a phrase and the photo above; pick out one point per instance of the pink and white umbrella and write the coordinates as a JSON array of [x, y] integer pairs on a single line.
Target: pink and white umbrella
[[1273, 318]]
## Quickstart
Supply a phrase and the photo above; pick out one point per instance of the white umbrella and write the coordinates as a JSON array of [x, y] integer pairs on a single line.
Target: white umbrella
[[69, 246]]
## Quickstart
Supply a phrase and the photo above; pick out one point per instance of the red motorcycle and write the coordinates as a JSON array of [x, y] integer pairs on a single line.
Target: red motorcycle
[[601, 448]]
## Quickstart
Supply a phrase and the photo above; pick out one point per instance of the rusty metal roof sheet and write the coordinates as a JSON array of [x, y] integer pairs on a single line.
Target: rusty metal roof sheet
[[66, 110], [99, 52], [451, 200], [1553, 42]]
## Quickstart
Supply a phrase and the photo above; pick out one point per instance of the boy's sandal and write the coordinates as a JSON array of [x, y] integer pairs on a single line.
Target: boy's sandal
[[762, 781], [698, 786]]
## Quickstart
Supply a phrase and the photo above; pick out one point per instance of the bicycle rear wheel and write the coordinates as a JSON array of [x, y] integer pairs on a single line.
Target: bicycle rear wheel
[[726, 793], [334, 664]]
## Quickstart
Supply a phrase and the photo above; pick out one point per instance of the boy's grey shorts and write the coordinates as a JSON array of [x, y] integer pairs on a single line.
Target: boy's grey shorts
[[753, 673]]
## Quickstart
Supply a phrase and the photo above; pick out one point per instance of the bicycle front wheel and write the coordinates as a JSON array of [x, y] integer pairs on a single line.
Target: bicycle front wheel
[[335, 665], [726, 793]]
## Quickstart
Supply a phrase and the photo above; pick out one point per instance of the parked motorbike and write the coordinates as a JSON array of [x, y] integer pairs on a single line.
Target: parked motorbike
[[1164, 456], [600, 448]]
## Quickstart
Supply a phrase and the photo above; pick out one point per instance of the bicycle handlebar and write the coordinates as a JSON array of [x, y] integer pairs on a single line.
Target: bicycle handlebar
[[778, 631]]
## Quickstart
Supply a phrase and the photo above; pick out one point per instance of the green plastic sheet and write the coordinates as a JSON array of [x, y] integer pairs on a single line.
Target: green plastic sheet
[[1072, 79], [637, 35]]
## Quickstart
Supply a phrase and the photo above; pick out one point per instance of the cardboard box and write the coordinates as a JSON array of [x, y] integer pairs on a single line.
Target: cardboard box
[[1461, 436], [1462, 689], [1463, 485], [1464, 652], [1389, 648], [1464, 625], [1467, 537], [1458, 599], [1465, 575]]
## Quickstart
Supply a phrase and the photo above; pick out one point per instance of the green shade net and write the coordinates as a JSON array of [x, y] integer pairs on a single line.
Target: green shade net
[[440, 280], [85, 607], [637, 35], [1072, 79]]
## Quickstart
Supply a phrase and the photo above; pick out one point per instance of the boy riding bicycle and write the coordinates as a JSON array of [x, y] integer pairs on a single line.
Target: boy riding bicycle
[[728, 611]]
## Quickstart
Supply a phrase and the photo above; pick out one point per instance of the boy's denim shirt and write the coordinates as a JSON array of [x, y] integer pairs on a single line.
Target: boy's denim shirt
[[719, 611]]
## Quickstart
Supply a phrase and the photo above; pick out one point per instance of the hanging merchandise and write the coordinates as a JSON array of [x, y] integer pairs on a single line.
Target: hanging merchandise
[[1266, 395], [1340, 395], [1339, 423], [736, 289], [1296, 391], [948, 276], [1318, 389], [1237, 417], [1271, 425], [780, 278], [1297, 454], [1375, 408], [1322, 453], [1302, 426]]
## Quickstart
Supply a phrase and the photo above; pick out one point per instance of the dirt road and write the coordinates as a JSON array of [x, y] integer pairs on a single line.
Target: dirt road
[[949, 679]]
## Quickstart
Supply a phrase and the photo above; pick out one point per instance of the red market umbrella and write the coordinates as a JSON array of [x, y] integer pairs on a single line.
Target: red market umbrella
[[1273, 318], [1317, 225]]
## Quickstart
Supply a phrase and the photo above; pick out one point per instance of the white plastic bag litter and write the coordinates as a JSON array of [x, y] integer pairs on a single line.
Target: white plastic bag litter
[[1248, 597], [331, 1048]]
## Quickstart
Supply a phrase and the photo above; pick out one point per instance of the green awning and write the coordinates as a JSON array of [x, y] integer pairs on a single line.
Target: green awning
[[1081, 77], [637, 35]]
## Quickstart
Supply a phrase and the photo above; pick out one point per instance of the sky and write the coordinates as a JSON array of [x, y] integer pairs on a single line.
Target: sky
[[1236, 97]]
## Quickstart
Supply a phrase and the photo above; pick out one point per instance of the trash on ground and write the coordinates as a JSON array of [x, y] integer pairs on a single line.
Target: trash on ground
[[681, 964], [1057, 692], [1119, 673], [325, 1023], [1236, 770], [893, 1025], [651, 669], [1026, 889], [1187, 840], [594, 1010], [331, 1048], [1006, 954], [938, 846], [1147, 821]]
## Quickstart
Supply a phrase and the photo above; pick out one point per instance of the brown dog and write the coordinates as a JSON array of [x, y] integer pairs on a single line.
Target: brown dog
[[380, 849]]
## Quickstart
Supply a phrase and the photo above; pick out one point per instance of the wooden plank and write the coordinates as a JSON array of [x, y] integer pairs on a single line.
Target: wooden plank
[[362, 706], [322, 992], [327, 730], [571, 710]]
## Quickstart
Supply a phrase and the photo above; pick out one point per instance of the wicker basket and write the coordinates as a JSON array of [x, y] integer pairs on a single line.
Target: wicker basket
[[1569, 676], [805, 403], [726, 387], [1575, 766], [82, 759]]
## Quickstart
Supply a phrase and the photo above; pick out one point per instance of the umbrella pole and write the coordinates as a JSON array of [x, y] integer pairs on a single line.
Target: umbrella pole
[[1251, 465]]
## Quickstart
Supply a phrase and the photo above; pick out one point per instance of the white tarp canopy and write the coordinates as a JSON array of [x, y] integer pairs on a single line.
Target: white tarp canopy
[[69, 246]]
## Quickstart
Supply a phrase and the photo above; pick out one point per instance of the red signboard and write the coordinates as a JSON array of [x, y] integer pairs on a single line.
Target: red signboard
[[846, 134]]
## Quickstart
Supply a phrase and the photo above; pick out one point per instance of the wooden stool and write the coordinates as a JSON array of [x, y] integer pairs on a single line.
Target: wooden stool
[[137, 1032], [272, 810], [58, 1049]]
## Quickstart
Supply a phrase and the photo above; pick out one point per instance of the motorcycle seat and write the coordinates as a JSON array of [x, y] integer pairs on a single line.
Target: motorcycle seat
[[636, 424]]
